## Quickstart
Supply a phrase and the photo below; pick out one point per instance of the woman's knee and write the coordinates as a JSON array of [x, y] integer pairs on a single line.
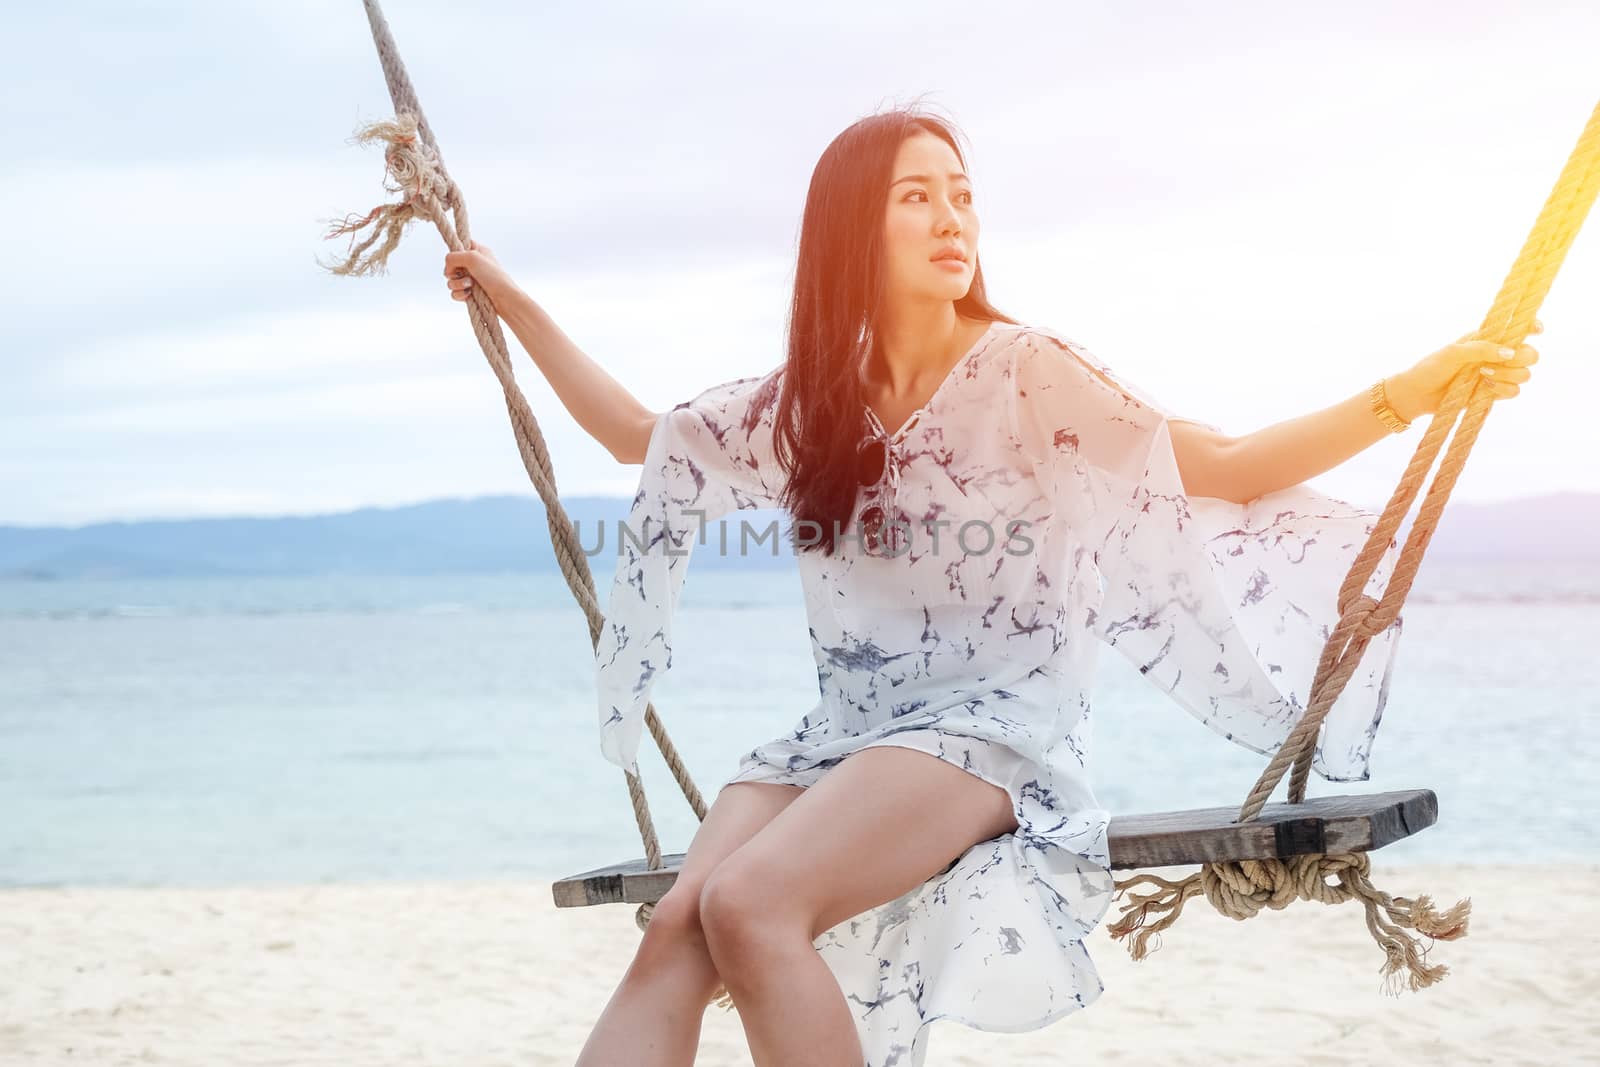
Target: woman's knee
[[673, 933], [737, 909], [673, 950]]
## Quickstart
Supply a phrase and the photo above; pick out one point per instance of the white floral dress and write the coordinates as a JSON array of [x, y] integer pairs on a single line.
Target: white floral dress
[[980, 649]]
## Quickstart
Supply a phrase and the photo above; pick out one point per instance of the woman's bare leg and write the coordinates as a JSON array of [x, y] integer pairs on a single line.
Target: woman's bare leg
[[653, 1017], [881, 823]]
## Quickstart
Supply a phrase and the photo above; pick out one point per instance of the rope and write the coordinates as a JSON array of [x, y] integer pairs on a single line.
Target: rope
[[1240, 889], [428, 194]]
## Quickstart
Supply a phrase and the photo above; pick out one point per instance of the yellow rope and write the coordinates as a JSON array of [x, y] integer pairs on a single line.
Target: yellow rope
[[1240, 889]]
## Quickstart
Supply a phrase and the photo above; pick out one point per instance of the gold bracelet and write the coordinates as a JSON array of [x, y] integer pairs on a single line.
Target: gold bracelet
[[1384, 410]]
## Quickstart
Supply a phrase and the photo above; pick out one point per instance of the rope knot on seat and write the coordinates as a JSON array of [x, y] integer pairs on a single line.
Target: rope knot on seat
[[1240, 889]]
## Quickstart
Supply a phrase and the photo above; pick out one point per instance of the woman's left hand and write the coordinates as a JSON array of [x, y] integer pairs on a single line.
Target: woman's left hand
[[1420, 390]]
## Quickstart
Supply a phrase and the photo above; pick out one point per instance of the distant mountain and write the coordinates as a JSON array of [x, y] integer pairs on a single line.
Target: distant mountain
[[509, 533], [488, 534]]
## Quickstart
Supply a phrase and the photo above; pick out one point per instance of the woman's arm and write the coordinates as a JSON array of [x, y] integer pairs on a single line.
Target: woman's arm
[[611, 415], [1289, 452], [607, 411]]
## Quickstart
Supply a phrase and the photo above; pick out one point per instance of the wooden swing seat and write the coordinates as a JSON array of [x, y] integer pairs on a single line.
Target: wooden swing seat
[[1335, 824]]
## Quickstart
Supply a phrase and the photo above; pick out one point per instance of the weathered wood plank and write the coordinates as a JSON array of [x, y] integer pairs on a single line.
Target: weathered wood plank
[[1322, 824], [623, 883]]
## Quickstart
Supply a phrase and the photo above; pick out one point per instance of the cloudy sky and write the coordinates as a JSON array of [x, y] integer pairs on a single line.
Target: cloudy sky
[[1251, 209]]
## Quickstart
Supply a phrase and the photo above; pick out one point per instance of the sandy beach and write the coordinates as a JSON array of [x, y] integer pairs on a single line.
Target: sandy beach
[[494, 974]]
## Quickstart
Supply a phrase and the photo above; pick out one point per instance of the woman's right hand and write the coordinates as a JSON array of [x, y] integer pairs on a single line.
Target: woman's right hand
[[476, 267], [1419, 390]]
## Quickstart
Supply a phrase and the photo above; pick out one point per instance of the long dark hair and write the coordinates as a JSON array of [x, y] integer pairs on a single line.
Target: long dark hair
[[838, 288]]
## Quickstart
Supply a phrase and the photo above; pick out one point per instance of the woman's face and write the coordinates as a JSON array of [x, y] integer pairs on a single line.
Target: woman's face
[[930, 210]]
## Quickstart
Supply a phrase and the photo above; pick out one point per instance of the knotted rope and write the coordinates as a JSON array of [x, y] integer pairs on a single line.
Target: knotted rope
[[1240, 889], [413, 160]]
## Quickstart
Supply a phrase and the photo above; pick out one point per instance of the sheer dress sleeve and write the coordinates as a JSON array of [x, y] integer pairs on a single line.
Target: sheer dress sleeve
[[1226, 607], [707, 457]]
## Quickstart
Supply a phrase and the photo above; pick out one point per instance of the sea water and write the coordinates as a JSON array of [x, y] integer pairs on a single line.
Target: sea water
[[335, 728]]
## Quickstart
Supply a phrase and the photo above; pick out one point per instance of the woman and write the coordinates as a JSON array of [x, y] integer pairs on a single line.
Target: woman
[[965, 485]]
